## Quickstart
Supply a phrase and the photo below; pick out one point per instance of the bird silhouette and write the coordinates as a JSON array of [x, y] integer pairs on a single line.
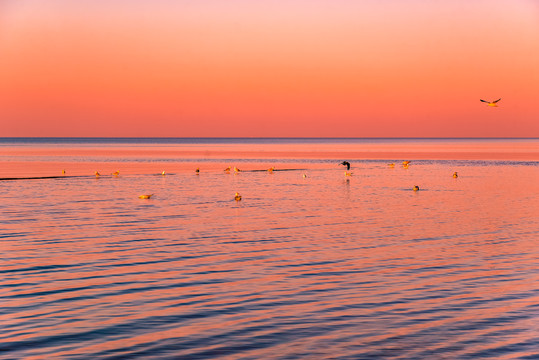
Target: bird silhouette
[[347, 164], [416, 188], [237, 197], [491, 103]]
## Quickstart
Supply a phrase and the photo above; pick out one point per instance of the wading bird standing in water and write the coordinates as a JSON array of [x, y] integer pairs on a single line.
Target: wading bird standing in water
[[491, 103], [347, 164]]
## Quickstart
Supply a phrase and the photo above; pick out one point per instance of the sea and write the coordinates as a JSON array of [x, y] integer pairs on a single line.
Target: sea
[[314, 262]]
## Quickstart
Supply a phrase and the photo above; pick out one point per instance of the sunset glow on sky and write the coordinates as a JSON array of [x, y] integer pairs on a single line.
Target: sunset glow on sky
[[316, 68]]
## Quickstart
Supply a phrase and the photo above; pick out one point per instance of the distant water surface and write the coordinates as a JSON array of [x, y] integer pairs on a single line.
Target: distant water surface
[[244, 140], [325, 266], [83, 156]]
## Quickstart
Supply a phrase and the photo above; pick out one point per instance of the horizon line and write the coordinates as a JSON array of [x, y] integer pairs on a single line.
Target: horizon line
[[268, 137]]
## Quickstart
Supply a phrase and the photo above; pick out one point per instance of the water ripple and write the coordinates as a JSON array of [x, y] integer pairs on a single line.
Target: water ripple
[[316, 268]]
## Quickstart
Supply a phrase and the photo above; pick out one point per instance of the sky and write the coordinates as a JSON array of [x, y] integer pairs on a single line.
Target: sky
[[281, 68]]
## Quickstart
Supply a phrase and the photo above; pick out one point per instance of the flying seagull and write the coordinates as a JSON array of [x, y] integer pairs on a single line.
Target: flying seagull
[[491, 103]]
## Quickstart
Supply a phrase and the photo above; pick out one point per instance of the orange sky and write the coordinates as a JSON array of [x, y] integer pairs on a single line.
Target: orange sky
[[384, 68]]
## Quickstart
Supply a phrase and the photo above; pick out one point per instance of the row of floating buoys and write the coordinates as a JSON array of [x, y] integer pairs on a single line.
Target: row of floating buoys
[[270, 170], [404, 164], [116, 173], [237, 196], [227, 170], [97, 174]]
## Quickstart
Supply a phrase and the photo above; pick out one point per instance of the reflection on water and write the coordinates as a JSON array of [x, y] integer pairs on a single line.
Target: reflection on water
[[322, 267]]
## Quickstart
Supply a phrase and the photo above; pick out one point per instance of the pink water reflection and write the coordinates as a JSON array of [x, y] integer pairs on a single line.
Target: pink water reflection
[[319, 267]]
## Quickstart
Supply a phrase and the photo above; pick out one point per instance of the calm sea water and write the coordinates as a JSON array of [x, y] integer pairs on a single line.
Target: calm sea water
[[325, 266]]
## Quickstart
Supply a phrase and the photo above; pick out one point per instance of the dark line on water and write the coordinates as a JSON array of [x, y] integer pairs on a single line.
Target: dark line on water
[[260, 170], [52, 177], [43, 177], [110, 176]]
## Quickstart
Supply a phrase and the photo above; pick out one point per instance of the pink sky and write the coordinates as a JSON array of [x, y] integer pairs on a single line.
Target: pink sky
[[338, 68]]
